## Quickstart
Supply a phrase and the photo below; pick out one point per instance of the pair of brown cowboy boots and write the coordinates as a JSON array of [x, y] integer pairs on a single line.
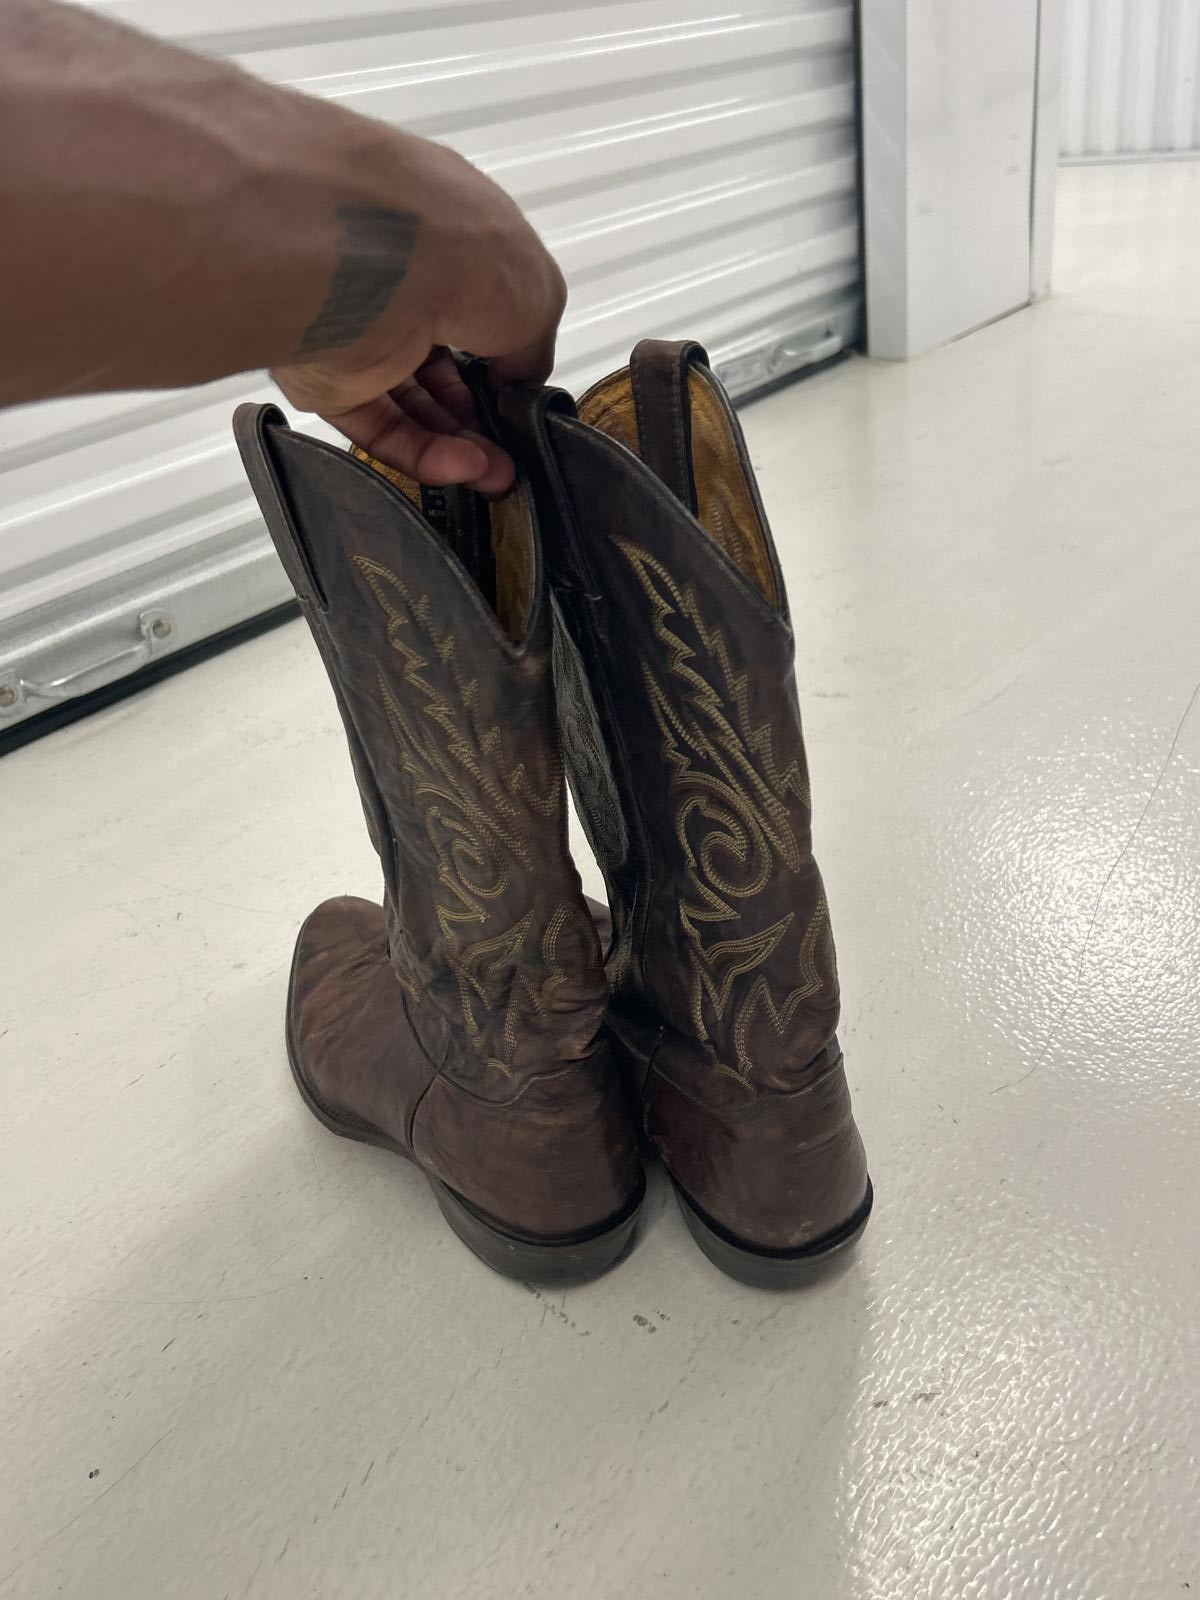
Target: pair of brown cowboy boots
[[620, 613]]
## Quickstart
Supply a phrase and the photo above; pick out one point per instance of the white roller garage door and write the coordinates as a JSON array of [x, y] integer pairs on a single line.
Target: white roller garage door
[[694, 169]]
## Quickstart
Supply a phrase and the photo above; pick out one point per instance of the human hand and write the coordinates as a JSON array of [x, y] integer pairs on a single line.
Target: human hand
[[458, 267]]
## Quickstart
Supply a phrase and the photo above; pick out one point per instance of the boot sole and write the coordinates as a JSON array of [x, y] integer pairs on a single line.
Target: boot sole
[[575, 1258], [774, 1269]]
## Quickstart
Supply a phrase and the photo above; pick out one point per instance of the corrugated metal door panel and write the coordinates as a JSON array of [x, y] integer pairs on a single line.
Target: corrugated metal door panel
[[572, 63], [106, 491], [694, 168], [1131, 70]]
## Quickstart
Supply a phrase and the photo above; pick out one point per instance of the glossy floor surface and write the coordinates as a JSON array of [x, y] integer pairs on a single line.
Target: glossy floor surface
[[243, 1358]]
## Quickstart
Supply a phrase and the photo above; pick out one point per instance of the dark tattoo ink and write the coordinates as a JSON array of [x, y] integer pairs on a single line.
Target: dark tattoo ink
[[373, 258]]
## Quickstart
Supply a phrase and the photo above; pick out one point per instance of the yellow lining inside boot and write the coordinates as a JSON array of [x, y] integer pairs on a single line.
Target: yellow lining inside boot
[[511, 536], [725, 505]]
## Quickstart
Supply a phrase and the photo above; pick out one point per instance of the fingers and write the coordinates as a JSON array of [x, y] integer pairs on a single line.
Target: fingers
[[421, 406], [440, 377], [410, 431], [386, 431], [416, 401], [498, 476]]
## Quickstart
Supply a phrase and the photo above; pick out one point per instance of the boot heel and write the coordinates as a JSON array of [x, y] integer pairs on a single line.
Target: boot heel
[[554, 1261], [774, 1269]]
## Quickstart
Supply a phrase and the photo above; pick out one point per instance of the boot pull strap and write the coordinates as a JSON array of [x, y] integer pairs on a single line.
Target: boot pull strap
[[658, 373], [474, 374], [522, 409]]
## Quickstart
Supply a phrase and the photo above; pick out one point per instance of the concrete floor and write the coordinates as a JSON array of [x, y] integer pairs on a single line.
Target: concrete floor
[[243, 1358]]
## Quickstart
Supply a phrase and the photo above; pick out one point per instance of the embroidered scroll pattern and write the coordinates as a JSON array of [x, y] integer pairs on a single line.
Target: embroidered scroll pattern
[[482, 817], [733, 818]]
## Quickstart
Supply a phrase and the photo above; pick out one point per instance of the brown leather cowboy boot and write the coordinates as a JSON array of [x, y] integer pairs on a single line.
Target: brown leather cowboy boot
[[682, 731], [460, 1024]]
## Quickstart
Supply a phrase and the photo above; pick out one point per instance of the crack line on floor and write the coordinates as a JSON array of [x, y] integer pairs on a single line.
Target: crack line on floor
[[91, 1506]]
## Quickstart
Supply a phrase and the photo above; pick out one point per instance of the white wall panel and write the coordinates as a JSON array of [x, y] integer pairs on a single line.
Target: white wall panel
[[1130, 77], [694, 167], [950, 103]]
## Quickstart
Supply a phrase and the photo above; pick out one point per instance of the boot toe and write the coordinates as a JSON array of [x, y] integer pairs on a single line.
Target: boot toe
[[348, 1025]]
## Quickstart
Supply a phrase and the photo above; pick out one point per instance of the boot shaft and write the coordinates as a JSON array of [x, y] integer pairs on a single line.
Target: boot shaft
[[437, 642], [671, 590]]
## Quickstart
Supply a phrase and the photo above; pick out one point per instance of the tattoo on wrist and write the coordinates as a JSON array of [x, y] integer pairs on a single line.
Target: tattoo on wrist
[[373, 255]]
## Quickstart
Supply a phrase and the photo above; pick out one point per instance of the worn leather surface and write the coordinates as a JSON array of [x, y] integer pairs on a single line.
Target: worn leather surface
[[461, 1019], [349, 1024], [724, 977]]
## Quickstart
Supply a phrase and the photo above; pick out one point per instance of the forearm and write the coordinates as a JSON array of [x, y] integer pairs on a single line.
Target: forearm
[[169, 219]]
